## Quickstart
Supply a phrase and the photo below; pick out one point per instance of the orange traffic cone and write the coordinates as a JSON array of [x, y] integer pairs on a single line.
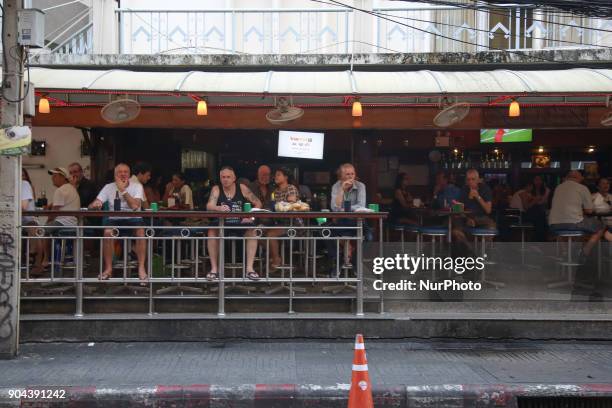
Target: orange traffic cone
[[360, 395]]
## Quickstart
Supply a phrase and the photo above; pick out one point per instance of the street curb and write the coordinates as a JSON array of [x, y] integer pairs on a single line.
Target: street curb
[[306, 395]]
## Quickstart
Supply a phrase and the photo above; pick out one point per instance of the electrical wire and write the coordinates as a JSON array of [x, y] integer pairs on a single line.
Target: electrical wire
[[475, 29], [491, 10], [519, 53]]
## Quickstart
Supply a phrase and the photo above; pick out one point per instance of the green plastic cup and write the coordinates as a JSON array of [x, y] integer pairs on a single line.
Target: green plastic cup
[[154, 207], [374, 207], [247, 207], [457, 208]]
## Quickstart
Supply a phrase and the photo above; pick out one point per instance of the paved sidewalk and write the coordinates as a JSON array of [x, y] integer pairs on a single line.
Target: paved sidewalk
[[308, 373]]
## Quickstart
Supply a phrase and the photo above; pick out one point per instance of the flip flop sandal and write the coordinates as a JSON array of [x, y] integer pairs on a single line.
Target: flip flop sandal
[[212, 276], [105, 276], [252, 276]]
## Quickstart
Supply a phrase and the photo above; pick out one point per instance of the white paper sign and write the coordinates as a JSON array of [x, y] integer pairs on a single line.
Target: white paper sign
[[302, 145]]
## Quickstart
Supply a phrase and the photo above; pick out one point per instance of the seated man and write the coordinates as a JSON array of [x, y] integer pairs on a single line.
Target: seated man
[[65, 198], [476, 198], [230, 197], [346, 189], [444, 192], [131, 195], [142, 175], [571, 201]]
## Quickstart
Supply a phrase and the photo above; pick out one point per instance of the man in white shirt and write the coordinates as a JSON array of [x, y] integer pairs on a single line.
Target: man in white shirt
[[65, 198], [142, 175], [130, 196], [571, 202]]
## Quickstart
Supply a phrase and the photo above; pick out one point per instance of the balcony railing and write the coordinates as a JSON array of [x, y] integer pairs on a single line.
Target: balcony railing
[[333, 30], [80, 43]]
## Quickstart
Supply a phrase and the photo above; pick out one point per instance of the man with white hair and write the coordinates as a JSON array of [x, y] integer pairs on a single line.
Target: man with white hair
[[130, 195], [477, 200]]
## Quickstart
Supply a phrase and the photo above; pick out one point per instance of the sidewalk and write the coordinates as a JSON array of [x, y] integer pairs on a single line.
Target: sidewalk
[[315, 374]]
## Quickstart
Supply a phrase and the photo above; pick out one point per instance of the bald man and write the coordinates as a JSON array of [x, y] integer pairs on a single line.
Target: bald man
[[571, 202], [262, 186], [131, 195]]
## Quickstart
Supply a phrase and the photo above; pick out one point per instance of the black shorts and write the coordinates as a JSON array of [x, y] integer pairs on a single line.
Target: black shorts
[[124, 222], [234, 232]]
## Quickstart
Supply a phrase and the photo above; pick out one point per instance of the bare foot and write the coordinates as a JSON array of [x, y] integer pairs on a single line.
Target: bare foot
[[107, 274], [142, 273]]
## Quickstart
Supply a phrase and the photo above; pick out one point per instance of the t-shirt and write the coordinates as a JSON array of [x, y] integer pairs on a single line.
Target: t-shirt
[[67, 198], [569, 201], [516, 201], [134, 179], [283, 195], [472, 204], [27, 194], [603, 204], [109, 192]]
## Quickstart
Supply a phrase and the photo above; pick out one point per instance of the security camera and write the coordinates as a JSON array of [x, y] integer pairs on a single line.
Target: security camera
[[18, 132]]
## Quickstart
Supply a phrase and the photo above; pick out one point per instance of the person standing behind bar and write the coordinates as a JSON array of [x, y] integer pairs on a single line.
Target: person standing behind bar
[[230, 197], [84, 186], [262, 187]]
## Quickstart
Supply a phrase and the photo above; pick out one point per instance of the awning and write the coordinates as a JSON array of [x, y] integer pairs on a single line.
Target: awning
[[576, 81]]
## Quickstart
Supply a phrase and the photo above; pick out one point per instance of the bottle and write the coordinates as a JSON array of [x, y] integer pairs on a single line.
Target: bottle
[[42, 201], [117, 202]]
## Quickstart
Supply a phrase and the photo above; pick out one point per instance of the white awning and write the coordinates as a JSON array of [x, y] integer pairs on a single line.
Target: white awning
[[497, 82]]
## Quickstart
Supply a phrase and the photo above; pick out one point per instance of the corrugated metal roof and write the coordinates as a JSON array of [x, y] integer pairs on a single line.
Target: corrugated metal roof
[[577, 80]]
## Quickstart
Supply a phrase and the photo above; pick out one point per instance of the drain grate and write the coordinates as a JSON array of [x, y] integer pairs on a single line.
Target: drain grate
[[564, 402]]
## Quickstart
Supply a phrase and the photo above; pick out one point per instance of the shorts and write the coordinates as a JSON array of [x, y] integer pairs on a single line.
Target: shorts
[[481, 221], [590, 225], [124, 222], [54, 227], [234, 232]]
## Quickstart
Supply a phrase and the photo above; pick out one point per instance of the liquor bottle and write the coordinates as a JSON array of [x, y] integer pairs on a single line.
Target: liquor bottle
[[42, 201], [117, 202]]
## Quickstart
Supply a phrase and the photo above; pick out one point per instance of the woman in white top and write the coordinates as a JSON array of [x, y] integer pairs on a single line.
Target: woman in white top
[[602, 200], [179, 189]]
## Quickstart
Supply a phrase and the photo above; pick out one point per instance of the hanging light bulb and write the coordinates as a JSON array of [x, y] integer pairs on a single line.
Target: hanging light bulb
[[43, 105], [357, 112], [515, 109], [202, 109]]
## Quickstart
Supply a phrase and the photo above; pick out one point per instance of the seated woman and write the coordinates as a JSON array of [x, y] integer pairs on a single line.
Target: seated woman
[[180, 191], [602, 200], [284, 192], [402, 209]]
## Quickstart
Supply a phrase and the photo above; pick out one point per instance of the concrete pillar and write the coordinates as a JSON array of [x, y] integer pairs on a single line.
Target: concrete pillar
[[10, 183], [105, 27]]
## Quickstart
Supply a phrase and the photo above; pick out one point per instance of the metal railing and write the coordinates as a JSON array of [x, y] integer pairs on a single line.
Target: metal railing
[[333, 30], [79, 43], [176, 258]]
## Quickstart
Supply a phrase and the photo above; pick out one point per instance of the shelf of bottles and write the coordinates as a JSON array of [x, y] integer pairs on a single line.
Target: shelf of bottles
[[496, 159]]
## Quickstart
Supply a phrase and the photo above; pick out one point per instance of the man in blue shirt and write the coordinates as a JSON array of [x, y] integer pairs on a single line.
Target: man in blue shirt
[[444, 192]]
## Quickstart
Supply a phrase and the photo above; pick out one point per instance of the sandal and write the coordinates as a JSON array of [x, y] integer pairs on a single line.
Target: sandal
[[252, 275], [212, 276], [105, 275]]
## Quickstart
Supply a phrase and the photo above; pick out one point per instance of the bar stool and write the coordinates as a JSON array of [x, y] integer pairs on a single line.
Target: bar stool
[[436, 234], [63, 249], [481, 234], [568, 262], [400, 228], [415, 229], [179, 237]]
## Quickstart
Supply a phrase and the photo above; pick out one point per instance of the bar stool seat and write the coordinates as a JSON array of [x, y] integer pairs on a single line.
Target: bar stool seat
[[570, 234], [433, 231], [483, 234]]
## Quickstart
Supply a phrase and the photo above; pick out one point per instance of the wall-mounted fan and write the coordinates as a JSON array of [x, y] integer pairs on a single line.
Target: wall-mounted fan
[[451, 113], [120, 110], [284, 112]]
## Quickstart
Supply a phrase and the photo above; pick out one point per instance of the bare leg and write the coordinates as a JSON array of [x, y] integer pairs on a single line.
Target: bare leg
[[107, 249], [593, 240], [213, 249], [608, 236], [275, 258], [251, 250], [141, 251]]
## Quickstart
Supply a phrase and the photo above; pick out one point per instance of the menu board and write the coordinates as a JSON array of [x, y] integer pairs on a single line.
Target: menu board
[[301, 145]]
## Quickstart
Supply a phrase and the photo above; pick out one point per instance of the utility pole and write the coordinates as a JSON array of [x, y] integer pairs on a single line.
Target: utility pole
[[10, 185]]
